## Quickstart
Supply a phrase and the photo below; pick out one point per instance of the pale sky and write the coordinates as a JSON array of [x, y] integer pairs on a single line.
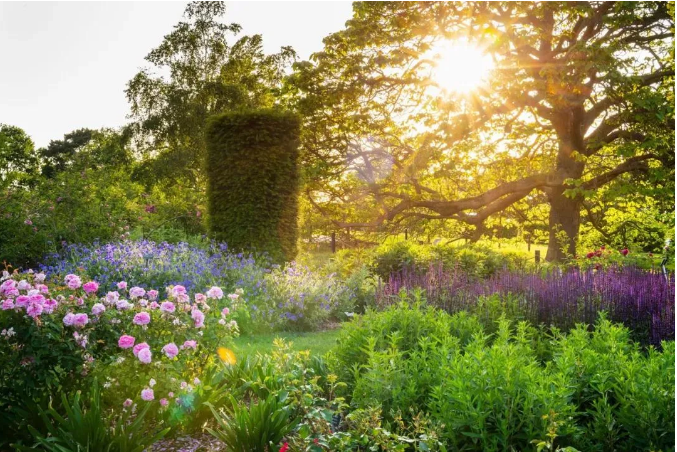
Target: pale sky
[[65, 65]]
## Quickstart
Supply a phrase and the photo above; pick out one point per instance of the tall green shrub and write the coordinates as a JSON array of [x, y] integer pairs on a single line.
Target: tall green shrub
[[253, 181]]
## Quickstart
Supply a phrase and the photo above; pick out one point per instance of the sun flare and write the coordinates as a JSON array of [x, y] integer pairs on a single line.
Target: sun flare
[[460, 66]]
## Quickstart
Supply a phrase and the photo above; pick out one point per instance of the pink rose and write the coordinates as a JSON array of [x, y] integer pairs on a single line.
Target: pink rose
[[154, 305], [152, 294], [98, 309], [90, 287], [142, 318], [171, 350], [189, 344], [147, 395], [126, 341], [7, 304], [145, 355], [164, 402], [225, 312], [73, 281], [178, 290], [127, 403], [122, 285], [80, 320], [34, 310], [167, 306], [112, 297], [22, 301], [215, 293], [136, 292], [138, 347], [50, 305], [200, 298], [198, 317], [68, 319]]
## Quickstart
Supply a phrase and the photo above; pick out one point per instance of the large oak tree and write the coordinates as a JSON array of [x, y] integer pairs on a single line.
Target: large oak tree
[[581, 97]]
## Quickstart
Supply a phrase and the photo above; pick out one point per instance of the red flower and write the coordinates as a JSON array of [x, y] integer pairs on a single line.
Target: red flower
[[624, 251], [284, 448], [602, 248], [590, 255]]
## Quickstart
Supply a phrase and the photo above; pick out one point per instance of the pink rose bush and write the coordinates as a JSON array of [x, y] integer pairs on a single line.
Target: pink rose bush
[[113, 336]]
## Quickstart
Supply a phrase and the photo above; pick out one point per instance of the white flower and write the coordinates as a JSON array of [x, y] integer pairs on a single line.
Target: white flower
[[239, 291], [222, 321], [152, 382]]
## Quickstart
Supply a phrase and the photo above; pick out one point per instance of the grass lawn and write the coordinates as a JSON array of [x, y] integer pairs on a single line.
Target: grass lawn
[[318, 342]]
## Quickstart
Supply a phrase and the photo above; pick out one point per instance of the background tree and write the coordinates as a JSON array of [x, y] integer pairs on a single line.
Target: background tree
[[196, 73], [18, 159], [581, 96]]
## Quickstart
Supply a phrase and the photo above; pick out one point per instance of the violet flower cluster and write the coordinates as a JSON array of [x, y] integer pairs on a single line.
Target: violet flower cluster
[[644, 301]]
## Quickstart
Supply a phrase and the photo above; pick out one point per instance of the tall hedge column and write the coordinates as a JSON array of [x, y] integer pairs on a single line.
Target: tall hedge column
[[253, 181]]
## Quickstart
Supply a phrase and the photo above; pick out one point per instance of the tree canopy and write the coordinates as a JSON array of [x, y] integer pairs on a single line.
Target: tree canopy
[[578, 111], [195, 73]]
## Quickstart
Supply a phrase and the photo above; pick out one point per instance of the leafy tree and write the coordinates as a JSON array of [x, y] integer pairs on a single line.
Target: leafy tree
[[86, 148], [18, 159], [581, 96], [195, 74]]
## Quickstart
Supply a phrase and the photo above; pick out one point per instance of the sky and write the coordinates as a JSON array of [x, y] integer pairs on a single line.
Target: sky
[[65, 65]]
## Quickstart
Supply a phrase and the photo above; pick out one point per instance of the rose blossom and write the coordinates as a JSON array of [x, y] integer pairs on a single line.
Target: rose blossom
[[73, 281], [164, 402], [112, 297], [199, 318], [145, 355], [68, 319], [127, 403], [171, 350], [7, 304], [225, 312], [200, 298], [49, 306], [23, 285], [34, 310], [123, 305], [136, 292], [170, 394], [233, 296], [90, 287], [80, 320], [152, 294], [126, 341], [167, 306], [154, 305], [42, 288], [98, 309], [39, 277], [215, 293], [122, 285], [138, 347], [22, 301], [142, 318], [189, 344], [147, 395], [178, 290]]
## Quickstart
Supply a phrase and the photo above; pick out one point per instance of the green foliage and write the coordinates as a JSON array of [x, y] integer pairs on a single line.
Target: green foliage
[[475, 260], [254, 428], [401, 326], [86, 427], [253, 181], [208, 74], [592, 390], [18, 159]]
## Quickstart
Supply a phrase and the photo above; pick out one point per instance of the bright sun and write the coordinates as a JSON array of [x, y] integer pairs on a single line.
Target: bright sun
[[460, 66]]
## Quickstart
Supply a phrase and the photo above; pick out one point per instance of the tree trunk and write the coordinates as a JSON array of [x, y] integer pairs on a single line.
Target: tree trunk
[[565, 212], [564, 222]]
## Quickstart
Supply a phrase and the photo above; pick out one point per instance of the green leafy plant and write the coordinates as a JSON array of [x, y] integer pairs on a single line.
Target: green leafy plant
[[256, 427], [87, 427]]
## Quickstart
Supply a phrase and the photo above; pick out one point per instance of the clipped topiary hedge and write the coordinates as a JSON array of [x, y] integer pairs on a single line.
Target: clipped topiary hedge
[[253, 181]]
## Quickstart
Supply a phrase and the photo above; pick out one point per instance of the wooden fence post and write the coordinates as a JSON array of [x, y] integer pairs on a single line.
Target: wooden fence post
[[537, 256], [333, 242]]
